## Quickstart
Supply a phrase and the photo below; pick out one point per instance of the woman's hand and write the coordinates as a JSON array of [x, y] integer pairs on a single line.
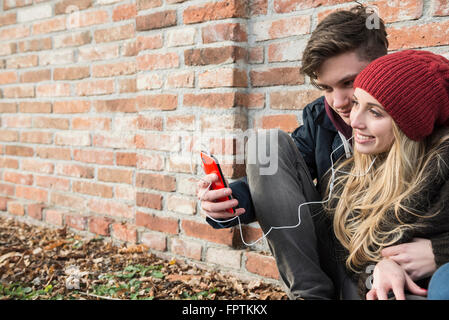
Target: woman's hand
[[389, 276], [415, 257]]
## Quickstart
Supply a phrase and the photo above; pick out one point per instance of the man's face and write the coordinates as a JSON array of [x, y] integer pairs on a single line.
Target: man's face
[[336, 77]]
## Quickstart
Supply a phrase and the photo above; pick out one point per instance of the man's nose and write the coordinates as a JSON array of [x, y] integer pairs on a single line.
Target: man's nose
[[341, 99]]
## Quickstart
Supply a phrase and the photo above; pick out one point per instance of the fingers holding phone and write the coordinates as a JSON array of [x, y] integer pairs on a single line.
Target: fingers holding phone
[[214, 193]]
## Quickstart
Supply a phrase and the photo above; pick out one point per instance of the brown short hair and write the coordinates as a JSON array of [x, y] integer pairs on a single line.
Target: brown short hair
[[341, 32]]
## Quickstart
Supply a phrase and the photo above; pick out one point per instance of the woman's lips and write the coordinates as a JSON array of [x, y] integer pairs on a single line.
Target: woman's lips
[[362, 139]]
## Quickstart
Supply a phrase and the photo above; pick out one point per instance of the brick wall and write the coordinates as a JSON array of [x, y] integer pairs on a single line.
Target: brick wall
[[105, 104]]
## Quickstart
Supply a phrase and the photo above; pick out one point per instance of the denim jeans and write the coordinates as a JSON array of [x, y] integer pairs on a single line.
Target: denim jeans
[[439, 284], [298, 251]]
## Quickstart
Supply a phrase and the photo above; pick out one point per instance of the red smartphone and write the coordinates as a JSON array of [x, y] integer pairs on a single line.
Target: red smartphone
[[211, 165]]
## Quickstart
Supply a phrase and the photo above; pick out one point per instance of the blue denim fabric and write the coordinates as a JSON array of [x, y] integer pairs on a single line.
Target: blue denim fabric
[[439, 284]]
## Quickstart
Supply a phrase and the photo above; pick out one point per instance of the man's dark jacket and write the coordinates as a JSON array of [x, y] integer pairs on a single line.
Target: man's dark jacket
[[316, 139]]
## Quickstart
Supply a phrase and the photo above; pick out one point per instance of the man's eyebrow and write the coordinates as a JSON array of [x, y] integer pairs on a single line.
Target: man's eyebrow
[[343, 80], [348, 77]]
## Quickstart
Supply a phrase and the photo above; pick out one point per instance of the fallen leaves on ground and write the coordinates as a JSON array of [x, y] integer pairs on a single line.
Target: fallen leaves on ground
[[41, 263]]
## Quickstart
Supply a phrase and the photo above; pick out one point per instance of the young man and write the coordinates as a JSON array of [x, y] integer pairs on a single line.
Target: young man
[[338, 50]]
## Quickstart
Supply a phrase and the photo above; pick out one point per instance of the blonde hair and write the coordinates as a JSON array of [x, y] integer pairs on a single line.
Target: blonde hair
[[363, 220]]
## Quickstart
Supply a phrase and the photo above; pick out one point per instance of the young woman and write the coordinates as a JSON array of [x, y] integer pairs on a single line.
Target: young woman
[[396, 187]]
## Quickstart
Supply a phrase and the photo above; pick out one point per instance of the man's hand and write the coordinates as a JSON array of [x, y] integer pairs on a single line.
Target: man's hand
[[216, 210], [389, 276], [415, 257]]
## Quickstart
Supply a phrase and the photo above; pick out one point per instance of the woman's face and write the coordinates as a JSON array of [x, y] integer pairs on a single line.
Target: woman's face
[[372, 125]]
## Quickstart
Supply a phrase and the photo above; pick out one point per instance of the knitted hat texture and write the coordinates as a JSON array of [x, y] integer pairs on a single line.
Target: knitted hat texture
[[413, 87]]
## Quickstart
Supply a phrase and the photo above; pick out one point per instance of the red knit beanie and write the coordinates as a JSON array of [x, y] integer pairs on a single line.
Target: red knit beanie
[[413, 87]]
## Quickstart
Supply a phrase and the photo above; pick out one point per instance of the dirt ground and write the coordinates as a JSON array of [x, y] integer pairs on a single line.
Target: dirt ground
[[40, 263]]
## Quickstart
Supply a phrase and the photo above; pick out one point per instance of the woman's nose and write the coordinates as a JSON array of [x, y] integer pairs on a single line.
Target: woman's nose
[[356, 118]]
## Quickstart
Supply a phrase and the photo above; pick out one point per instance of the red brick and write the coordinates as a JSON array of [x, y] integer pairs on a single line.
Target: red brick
[[8, 77], [159, 142], [150, 123], [128, 159], [215, 11], [293, 100], [224, 32], [148, 4], [124, 232], [156, 181], [74, 170], [35, 45], [94, 156], [35, 210], [186, 248], [114, 69], [8, 107], [284, 6], [32, 193], [285, 122], [154, 241], [124, 12], [220, 55], [20, 151], [206, 232], [276, 77], [75, 39], [71, 106], [114, 33], [27, 61], [149, 200], [36, 137], [54, 217], [53, 90], [7, 189], [210, 100], [71, 73], [76, 221], [419, 36], [182, 122], [8, 18], [16, 208], [393, 11], [93, 189], [156, 20], [150, 162], [116, 105], [39, 166], [157, 102], [64, 6], [224, 77], [9, 135], [261, 265], [22, 91], [36, 76], [250, 100], [53, 153], [95, 87], [99, 225], [441, 8], [224, 122], [281, 28], [51, 182], [83, 123], [181, 205], [68, 200], [157, 223], [157, 61], [115, 175], [49, 25]]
